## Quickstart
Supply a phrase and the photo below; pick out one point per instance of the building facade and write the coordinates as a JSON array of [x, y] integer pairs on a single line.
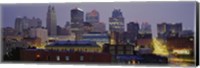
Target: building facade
[[41, 33], [77, 19], [99, 38], [116, 21], [92, 17], [169, 30], [51, 21], [133, 31], [99, 27], [75, 46], [61, 56]]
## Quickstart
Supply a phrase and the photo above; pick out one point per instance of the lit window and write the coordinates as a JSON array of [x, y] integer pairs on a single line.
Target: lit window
[[81, 58], [58, 58], [67, 58]]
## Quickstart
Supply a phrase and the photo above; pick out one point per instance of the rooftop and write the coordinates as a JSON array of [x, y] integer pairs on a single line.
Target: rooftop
[[81, 43]]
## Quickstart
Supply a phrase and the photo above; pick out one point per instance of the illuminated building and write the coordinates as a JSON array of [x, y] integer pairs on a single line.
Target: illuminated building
[[118, 38], [99, 38], [33, 42], [41, 33], [145, 31], [51, 21], [77, 46], [145, 28], [168, 30], [77, 16], [116, 26], [181, 50], [92, 17], [144, 42], [77, 19], [116, 21], [119, 50], [186, 43], [133, 31]]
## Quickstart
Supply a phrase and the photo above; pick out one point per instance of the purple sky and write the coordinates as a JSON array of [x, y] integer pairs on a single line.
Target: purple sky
[[151, 12]]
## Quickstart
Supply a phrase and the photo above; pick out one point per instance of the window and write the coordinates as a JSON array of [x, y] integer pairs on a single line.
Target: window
[[120, 47], [58, 58], [129, 52], [120, 52], [81, 58], [67, 58], [129, 48], [112, 48], [112, 52]]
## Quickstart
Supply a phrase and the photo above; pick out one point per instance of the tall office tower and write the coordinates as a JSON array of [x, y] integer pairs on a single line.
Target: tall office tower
[[35, 23], [51, 21], [145, 31], [77, 16], [145, 28], [92, 17], [18, 25], [116, 26], [168, 30], [21, 24], [116, 21], [133, 31]]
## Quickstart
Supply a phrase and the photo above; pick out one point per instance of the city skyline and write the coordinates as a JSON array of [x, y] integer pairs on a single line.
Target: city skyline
[[184, 12]]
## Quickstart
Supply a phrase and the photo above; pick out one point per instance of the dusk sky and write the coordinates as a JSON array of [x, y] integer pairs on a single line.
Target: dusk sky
[[151, 12]]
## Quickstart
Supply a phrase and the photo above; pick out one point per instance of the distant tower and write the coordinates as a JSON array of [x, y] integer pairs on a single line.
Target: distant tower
[[169, 30], [19, 25], [116, 27], [116, 21], [77, 16], [92, 17], [51, 21], [145, 31], [133, 31]]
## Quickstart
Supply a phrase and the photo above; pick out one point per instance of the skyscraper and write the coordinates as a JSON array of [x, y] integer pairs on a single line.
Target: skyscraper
[[116, 21], [132, 30], [77, 16], [145, 31], [116, 27], [51, 21], [145, 28], [22, 24], [35, 22], [92, 17], [18, 25], [168, 30]]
